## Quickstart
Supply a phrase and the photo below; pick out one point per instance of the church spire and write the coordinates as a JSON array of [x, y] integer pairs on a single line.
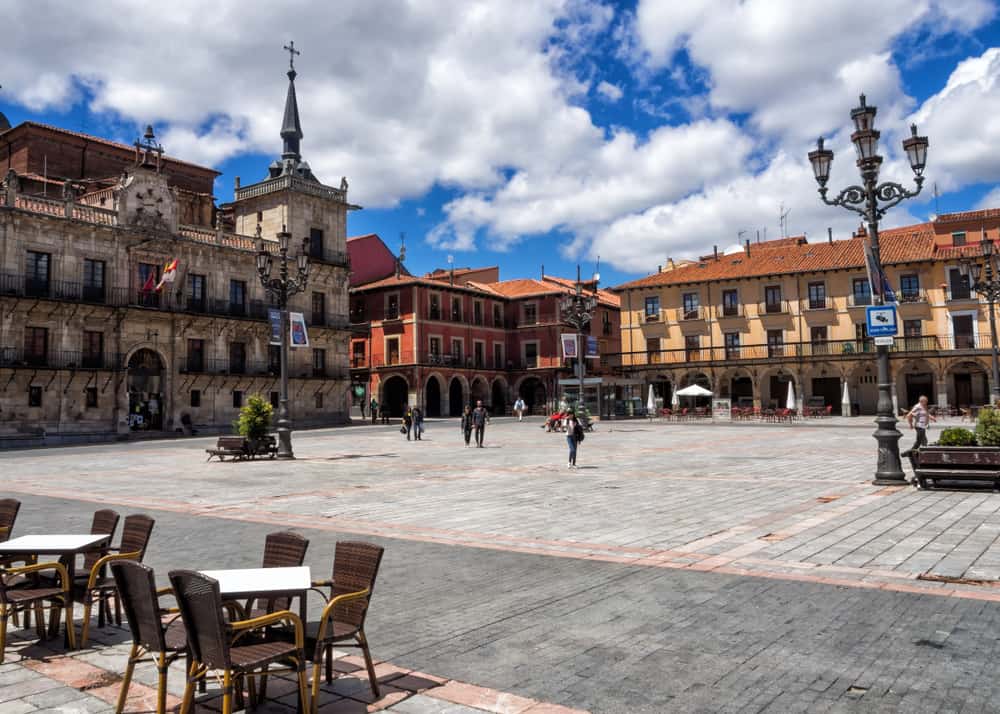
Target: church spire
[[291, 129]]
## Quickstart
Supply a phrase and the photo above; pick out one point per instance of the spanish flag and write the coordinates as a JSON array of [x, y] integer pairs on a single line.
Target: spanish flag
[[169, 274]]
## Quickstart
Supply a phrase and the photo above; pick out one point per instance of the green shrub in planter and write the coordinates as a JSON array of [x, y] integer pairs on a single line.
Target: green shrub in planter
[[957, 436], [255, 418], [988, 427]]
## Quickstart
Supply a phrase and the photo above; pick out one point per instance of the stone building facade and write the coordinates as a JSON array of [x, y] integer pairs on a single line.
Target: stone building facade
[[93, 344]]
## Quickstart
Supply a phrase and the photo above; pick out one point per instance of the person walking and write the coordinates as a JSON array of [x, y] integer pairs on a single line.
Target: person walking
[[467, 424], [479, 419], [418, 423], [407, 421], [519, 409], [574, 435], [919, 418], [374, 408], [384, 411]]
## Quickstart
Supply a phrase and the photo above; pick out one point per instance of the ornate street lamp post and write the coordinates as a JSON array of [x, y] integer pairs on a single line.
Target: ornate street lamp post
[[577, 309], [280, 289], [871, 200], [989, 287]]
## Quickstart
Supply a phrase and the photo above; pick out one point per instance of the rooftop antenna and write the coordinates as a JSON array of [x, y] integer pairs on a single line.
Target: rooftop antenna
[[783, 219], [543, 272], [937, 194], [739, 236], [597, 272], [451, 269]]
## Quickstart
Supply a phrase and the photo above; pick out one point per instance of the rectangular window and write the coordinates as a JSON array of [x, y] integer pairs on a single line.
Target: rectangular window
[[692, 348], [196, 293], [959, 285], [435, 349], [392, 350], [358, 311], [237, 298], [817, 296], [531, 354], [652, 350], [237, 399], [34, 396], [319, 362], [456, 351], [196, 356], [392, 306], [730, 303], [652, 308], [606, 324], [477, 312], [93, 349], [237, 358], [497, 355], [964, 332], [91, 397], [37, 279], [775, 343], [195, 400], [912, 330], [274, 359], [319, 309], [690, 306], [958, 238], [530, 314], [434, 313], [861, 336], [275, 401], [456, 309], [36, 345], [319, 400], [358, 354], [732, 341], [909, 287], [861, 291], [93, 280], [479, 354], [772, 299], [817, 336], [316, 243], [497, 316], [149, 276]]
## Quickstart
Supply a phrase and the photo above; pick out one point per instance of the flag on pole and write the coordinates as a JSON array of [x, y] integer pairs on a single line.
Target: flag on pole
[[169, 274], [150, 284]]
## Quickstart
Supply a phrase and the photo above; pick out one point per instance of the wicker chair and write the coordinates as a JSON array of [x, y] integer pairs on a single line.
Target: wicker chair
[[355, 567], [284, 549], [99, 586], [105, 521], [152, 638], [215, 644], [8, 514], [28, 595]]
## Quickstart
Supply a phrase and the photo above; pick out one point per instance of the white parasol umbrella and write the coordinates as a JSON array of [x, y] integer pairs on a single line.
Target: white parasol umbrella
[[790, 402], [650, 402], [675, 401], [694, 390], [845, 402]]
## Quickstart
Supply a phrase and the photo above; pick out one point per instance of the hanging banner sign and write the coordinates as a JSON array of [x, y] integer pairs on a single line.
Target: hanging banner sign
[[300, 338], [592, 348], [569, 346], [274, 317]]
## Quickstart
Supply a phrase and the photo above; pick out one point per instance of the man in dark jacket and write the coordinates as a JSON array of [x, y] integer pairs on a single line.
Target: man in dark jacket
[[479, 418]]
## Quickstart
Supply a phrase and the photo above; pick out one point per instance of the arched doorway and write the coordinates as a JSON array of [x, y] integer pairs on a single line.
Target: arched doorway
[[499, 403], [432, 398], [145, 391], [455, 401], [395, 393], [532, 391], [479, 391]]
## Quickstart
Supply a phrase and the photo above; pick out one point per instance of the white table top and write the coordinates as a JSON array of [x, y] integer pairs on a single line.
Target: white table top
[[51, 543], [261, 581]]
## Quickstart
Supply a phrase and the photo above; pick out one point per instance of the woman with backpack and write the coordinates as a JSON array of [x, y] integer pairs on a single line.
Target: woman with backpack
[[574, 435]]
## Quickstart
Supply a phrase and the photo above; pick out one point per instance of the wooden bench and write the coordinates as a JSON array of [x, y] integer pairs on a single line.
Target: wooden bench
[[955, 463], [235, 446]]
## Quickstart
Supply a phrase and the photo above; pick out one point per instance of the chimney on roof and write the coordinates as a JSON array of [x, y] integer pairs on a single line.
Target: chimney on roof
[[659, 268], [236, 183], [829, 235], [715, 250], [543, 272], [746, 248], [861, 232], [670, 262]]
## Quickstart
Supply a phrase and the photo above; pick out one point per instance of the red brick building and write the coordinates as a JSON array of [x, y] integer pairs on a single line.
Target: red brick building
[[450, 338]]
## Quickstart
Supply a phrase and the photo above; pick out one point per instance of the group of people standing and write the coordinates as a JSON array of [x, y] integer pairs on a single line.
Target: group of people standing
[[475, 420]]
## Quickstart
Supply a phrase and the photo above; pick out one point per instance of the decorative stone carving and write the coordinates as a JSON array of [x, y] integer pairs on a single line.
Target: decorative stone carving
[[145, 200]]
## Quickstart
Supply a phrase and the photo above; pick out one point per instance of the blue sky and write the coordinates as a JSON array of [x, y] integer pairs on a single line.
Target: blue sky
[[550, 132]]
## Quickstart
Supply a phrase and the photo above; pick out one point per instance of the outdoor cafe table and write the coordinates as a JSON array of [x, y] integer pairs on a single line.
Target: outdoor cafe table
[[67, 547], [264, 584]]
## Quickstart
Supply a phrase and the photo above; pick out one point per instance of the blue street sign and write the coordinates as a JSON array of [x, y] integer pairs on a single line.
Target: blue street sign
[[881, 320]]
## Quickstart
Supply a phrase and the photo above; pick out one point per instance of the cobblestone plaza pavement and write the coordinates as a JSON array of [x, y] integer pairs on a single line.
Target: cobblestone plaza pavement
[[682, 567]]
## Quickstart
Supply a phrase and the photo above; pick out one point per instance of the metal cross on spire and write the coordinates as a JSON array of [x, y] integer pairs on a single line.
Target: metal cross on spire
[[291, 54]]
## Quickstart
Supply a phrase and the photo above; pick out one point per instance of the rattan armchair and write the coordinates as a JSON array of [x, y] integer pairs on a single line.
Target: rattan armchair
[[355, 567], [231, 647], [28, 595], [97, 585], [8, 514], [283, 549], [153, 638]]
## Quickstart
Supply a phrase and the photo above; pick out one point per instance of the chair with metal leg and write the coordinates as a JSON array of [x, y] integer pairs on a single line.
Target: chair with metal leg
[[27, 595]]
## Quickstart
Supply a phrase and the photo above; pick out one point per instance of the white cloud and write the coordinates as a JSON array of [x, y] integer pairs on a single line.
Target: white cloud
[[611, 92], [990, 200]]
